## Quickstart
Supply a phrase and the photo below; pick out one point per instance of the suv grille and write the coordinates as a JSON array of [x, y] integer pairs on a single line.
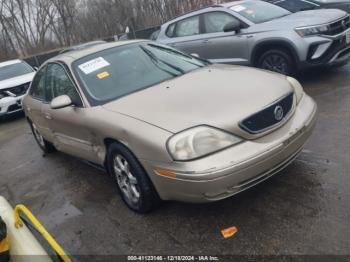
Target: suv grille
[[269, 117], [15, 91], [339, 26]]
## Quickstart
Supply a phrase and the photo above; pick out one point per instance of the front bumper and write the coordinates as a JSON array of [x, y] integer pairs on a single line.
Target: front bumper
[[328, 50], [11, 105], [231, 171]]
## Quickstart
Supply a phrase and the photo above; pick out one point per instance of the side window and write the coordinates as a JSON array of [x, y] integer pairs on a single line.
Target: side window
[[216, 21], [58, 83], [170, 30], [187, 27], [37, 89]]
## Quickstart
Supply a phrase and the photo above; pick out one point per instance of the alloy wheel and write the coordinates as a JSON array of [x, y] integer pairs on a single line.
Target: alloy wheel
[[275, 63], [38, 136], [126, 180]]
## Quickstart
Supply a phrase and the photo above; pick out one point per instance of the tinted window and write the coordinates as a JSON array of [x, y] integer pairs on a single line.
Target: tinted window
[[295, 5], [18, 69], [216, 21], [37, 89], [259, 11], [187, 27], [119, 71], [58, 83]]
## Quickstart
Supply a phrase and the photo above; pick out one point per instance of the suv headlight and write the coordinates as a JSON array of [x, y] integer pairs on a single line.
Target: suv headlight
[[312, 30], [199, 142], [298, 88]]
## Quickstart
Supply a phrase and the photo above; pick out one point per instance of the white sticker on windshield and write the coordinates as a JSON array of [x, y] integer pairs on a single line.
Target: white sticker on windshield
[[93, 65], [238, 8]]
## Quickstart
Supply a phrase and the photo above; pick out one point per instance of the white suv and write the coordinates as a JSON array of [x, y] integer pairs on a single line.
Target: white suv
[[15, 78]]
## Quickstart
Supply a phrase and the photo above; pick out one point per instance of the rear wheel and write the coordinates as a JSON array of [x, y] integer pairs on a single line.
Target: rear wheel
[[135, 187], [277, 60], [45, 145]]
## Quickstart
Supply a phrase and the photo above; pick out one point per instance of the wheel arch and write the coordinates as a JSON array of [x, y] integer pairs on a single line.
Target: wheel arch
[[264, 46]]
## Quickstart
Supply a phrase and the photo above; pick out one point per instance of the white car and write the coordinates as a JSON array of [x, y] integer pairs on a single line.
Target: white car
[[15, 78]]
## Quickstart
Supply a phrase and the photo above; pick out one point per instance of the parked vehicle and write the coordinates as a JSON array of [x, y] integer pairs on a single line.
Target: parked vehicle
[[303, 5], [260, 34], [15, 78], [167, 125]]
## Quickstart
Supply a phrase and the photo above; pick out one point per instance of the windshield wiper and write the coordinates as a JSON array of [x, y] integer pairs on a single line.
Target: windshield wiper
[[155, 58]]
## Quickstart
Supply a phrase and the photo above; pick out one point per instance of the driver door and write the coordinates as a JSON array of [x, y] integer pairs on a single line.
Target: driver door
[[69, 127], [223, 47]]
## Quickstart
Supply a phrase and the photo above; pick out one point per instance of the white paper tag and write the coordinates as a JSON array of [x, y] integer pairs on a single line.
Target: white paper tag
[[238, 8], [93, 65]]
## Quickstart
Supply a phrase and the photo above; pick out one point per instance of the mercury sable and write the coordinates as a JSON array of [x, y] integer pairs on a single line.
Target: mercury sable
[[168, 126]]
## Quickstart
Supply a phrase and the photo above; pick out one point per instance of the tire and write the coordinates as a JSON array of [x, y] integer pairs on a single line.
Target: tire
[[278, 60], [44, 145], [133, 183]]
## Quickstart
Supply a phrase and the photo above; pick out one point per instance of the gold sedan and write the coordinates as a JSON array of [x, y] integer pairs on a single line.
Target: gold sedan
[[166, 125]]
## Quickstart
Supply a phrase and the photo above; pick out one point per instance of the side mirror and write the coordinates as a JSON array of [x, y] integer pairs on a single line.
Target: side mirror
[[61, 102], [233, 26]]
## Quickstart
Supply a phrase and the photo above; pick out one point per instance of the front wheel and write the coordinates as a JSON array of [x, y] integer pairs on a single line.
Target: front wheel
[[277, 60], [135, 187], [44, 145]]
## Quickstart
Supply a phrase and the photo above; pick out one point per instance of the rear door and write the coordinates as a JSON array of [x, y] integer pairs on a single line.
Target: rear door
[[68, 125], [186, 35], [220, 46], [35, 102]]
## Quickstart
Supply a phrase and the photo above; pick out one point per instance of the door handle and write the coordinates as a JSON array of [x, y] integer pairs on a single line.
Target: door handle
[[48, 116], [206, 41]]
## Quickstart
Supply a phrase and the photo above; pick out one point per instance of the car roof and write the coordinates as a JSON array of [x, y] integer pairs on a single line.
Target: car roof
[[10, 62], [73, 55], [222, 5], [230, 4], [81, 46]]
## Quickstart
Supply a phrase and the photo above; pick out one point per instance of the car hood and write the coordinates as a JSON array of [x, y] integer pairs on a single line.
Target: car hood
[[343, 5], [16, 81], [303, 18], [218, 95]]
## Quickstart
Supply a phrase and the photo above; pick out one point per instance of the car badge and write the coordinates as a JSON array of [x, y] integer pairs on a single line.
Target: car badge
[[279, 114]]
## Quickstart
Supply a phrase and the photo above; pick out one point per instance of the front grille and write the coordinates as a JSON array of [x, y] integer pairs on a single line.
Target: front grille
[[14, 108], [269, 117], [15, 91], [339, 26]]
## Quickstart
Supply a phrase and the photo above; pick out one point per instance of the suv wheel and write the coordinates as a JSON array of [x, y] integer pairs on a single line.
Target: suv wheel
[[277, 60], [134, 186], [45, 145]]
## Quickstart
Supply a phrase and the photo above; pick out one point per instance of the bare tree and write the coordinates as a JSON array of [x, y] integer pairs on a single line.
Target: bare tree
[[30, 26]]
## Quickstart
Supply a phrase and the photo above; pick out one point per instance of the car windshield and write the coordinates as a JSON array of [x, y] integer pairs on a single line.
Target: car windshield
[[14, 70], [259, 11], [119, 71]]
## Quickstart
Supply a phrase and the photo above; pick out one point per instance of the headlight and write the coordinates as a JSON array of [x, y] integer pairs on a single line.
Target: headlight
[[298, 88], [312, 30], [198, 142]]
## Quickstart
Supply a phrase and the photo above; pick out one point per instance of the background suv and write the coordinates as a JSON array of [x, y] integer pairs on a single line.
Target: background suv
[[15, 78], [260, 34], [302, 5]]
